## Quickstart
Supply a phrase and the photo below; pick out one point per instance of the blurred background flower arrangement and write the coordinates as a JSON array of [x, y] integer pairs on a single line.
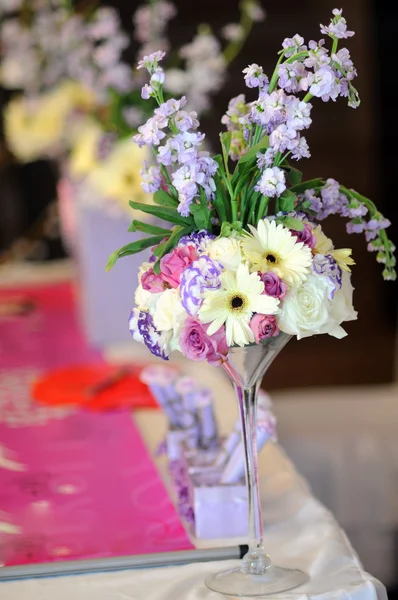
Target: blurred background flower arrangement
[[76, 101]]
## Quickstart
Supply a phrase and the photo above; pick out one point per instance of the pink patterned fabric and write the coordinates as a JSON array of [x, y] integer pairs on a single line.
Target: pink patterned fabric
[[73, 484]]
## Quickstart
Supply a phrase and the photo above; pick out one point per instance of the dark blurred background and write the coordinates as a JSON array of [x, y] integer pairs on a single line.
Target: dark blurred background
[[356, 147]]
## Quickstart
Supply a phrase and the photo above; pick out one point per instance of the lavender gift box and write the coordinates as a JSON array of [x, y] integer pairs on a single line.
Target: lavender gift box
[[213, 510]]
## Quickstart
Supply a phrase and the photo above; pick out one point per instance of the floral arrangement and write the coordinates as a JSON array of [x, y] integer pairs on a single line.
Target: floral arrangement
[[246, 256]]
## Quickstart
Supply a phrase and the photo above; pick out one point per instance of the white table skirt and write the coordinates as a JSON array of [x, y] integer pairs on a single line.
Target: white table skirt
[[299, 532]]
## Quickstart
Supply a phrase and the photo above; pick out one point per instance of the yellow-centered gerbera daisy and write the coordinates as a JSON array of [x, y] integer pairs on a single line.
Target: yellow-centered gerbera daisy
[[240, 295], [271, 247]]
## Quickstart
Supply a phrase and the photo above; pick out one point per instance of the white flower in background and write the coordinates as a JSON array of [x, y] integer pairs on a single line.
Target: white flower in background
[[272, 247], [170, 315], [240, 295], [226, 251], [308, 310]]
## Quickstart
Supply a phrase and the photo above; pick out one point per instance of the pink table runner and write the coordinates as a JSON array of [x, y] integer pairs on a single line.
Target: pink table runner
[[73, 484]]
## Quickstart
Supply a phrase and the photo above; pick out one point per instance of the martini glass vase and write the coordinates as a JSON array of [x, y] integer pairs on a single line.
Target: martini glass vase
[[257, 575]]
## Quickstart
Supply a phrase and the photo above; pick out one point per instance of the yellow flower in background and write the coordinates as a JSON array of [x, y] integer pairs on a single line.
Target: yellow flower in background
[[118, 177], [38, 127], [324, 245], [84, 148]]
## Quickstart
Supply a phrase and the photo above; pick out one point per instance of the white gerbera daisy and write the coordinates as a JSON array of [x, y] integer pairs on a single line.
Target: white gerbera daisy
[[240, 295], [272, 247]]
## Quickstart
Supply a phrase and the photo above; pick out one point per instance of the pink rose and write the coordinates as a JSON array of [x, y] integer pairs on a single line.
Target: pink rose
[[307, 235], [263, 326], [196, 344], [152, 283], [173, 264], [273, 286]]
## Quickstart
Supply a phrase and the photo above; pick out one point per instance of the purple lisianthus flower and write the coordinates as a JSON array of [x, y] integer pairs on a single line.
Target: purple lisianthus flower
[[199, 239], [255, 77], [203, 274], [153, 339], [325, 264], [306, 236], [273, 285]]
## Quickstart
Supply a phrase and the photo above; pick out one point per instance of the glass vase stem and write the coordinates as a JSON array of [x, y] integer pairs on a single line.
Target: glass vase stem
[[256, 561]]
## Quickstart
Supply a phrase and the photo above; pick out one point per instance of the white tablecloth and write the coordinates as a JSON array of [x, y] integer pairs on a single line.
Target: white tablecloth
[[299, 532]]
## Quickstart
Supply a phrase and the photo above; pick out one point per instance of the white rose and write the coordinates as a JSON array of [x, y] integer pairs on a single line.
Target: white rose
[[145, 300], [305, 309], [226, 251], [341, 308], [169, 314], [308, 309]]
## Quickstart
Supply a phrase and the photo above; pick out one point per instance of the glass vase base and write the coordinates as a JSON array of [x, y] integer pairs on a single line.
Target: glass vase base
[[274, 581]]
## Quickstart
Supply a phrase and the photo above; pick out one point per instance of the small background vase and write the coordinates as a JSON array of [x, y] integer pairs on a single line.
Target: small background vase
[[92, 229], [257, 575]]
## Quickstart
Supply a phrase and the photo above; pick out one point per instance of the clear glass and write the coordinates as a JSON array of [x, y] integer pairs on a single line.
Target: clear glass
[[257, 575]]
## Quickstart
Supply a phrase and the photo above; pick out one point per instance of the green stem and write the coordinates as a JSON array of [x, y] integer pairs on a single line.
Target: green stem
[[334, 46], [297, 56], [263, 204], [234, 47], [275, 75], [307, 97]]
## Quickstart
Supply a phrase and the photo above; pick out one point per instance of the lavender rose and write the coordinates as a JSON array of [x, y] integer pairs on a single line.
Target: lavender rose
[[273, 286], [263, 327], [196, 344]]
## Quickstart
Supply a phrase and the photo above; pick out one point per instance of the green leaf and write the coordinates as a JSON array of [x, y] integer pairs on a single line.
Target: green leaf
[[295, 176], [201, 215], [307, 185], [164, 199], [226, 142], [132, 248], [156, 267], [147, 228], [166, 214], [263, 143], [286, 201], [131, 227], [172, 241], [291, 223]]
